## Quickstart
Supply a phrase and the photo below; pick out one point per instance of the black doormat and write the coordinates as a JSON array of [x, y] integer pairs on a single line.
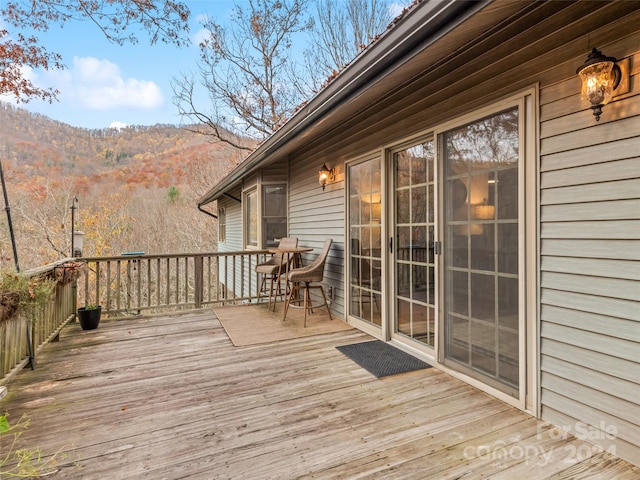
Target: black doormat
[[381, 359]]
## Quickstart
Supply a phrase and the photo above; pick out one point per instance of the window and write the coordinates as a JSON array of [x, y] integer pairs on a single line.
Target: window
[[265, 215], [251, 218], [274, 219], [222, 224]]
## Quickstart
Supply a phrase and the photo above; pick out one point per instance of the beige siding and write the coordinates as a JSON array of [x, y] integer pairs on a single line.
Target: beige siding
[[275, 173], [234, 274], [590, 262], [315, 215], [234, 222]]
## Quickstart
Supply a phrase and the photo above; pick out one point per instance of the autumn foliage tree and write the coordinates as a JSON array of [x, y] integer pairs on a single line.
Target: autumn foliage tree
[[21, 20]]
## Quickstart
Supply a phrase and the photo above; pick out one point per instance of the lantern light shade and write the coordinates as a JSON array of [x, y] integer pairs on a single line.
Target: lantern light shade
[[78, 240], [484, 212], [600, 76], [325, 175]]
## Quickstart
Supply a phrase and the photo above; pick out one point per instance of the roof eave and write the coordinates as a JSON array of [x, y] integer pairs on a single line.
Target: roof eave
[[418, 29]]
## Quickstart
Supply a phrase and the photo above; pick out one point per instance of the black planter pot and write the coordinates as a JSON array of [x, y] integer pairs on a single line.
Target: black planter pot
[[89, 318]]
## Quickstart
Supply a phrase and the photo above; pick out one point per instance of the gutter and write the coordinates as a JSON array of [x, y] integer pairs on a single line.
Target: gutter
[[207, 212], [396, 46]]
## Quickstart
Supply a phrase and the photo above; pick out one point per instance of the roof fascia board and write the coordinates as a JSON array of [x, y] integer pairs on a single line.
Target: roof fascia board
[[419, 28]]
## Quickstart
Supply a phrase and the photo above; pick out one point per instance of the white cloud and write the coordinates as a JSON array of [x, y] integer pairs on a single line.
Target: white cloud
[[200, 36], [98, 84]]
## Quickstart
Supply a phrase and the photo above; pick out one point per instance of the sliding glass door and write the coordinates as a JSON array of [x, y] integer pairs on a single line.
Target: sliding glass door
[[365, 242], [414, 267], [481, 249]]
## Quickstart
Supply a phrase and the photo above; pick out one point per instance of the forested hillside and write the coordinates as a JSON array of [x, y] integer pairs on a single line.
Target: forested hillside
[[136, 187]]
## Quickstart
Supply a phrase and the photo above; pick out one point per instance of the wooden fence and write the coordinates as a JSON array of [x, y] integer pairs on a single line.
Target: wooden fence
[[24, 334], [135, 284]]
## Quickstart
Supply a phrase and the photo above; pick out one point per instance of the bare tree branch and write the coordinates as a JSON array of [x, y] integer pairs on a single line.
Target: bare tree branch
[[245, 69], [342, 30]]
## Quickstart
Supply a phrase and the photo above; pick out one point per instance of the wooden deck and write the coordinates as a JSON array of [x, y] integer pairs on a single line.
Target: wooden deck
[[170, 397]]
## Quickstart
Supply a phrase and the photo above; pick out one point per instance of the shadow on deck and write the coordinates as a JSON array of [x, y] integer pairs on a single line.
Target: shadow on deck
[[171, 397]]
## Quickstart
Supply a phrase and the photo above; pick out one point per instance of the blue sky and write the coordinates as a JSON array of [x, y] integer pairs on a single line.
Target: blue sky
[[106, 84], [109, 85]]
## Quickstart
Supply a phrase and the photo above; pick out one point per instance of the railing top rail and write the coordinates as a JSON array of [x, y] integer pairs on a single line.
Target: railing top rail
[[32, 272], [172, 255]]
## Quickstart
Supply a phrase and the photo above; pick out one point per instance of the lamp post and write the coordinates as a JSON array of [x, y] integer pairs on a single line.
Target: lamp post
[[8, 210], [74, 207]]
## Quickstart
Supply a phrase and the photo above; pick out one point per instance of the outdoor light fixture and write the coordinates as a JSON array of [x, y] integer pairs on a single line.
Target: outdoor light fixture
[[326, 175], [600, 76], [78, 240]]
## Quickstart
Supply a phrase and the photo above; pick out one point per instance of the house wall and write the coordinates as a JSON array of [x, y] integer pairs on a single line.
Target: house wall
[[316, 215], [233, 241], [588, 185], [590, 261], [229, 274], [589, 212], [234, 275]]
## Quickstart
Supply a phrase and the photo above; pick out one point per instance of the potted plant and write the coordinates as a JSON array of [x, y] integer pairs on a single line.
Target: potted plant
[[89, 316]]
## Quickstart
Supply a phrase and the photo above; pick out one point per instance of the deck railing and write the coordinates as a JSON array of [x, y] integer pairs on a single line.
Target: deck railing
[[133, 284], [25, 333]]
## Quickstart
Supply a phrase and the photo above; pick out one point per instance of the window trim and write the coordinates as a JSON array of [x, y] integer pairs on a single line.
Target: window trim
[[222, 224], [259, 190], [254, 190]]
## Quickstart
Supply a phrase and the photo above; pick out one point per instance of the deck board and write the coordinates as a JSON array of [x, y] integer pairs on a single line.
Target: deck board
[[170, 397]]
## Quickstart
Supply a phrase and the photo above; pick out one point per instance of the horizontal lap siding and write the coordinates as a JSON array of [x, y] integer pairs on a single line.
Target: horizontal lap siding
[[590, 262], [316, 215], [230, 274]]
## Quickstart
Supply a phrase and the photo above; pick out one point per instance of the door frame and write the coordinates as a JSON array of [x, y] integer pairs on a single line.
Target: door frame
[[367, 327], [425, 351], [528, 230], [528, 213]]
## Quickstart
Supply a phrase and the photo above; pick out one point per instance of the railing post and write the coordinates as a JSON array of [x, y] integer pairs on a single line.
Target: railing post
[[198, 280]]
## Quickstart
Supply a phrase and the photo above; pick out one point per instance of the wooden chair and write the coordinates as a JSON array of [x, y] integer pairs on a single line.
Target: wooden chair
[[302, 278], [272, 269]]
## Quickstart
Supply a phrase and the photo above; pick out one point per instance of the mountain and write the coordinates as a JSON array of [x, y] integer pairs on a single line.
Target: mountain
[[33, 146], [136, 188]]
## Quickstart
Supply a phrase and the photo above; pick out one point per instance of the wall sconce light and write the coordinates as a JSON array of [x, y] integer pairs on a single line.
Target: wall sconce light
[[326, 175], [600, 76]]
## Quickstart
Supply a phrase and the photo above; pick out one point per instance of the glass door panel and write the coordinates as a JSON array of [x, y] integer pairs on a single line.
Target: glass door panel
[[365, 241], [415, 277], [481, 299]]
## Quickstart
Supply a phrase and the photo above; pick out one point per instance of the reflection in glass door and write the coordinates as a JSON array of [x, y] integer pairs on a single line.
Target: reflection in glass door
[[365, 241], [481, 251], [414, 243]]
